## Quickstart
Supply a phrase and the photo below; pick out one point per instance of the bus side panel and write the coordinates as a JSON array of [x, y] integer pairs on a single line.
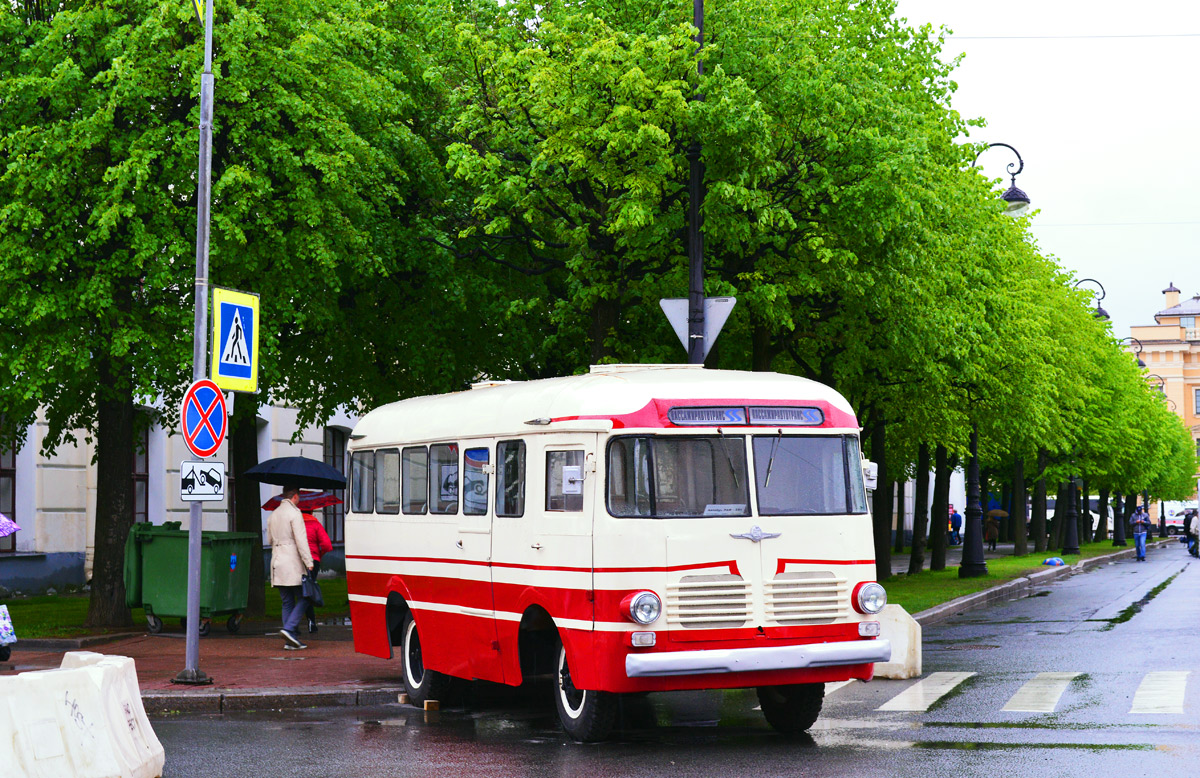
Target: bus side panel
[[369, 622]]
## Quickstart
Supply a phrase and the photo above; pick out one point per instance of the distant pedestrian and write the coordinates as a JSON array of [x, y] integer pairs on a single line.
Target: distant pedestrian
[[1141, 525], [290, 561], [318, 544], [991, 532], [1191, 530], [955, 527]]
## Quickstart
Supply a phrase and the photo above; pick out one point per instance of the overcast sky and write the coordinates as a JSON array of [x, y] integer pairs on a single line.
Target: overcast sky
[[1100, 99]]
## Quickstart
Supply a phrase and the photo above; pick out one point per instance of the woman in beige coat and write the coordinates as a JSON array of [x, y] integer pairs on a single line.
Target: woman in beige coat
[[290, 560]]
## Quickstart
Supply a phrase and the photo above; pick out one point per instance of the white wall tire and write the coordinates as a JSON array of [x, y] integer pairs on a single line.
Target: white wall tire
[[587, 716], [420, 683], [791, 710]]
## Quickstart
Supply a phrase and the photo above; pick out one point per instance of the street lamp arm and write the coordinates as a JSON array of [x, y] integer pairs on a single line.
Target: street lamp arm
[[1020, 162]]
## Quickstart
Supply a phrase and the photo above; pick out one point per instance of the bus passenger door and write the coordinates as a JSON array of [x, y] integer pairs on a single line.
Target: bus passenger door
[[474, 549], [543, 557]]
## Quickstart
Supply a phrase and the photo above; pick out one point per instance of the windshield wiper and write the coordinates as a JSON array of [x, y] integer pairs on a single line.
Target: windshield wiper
[[771, 461], [729, 459]]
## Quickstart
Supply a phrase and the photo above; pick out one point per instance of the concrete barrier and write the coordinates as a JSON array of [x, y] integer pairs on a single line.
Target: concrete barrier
[[904, 633], [80, 720], [137, 747]]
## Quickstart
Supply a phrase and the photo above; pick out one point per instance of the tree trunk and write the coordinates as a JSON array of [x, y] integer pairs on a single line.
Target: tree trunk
[[898, 545], [1006, 505], [114, 501], [916, 559], [1037, 522], [939, 511], [1102, 525], [604, 325], [761, 355], [1060, 513], [1085, 514], [882, 505], [243, 451], [1017, 515]]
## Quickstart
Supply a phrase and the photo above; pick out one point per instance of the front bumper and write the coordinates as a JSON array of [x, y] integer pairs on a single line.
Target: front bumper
[[744, 660]]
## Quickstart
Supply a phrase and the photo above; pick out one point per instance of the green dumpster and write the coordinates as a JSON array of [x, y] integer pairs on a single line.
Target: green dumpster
[[156, 574]]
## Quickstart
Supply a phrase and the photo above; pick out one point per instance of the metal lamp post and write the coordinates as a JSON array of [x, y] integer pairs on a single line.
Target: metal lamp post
[[1071, 530], [695, 345], [1015, 200], [1137, 354], [1099, 313], [973, 563]]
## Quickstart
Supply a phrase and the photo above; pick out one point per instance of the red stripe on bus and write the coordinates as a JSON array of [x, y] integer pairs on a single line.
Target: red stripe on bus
[[731, 565], [654, 414], [783, 563]]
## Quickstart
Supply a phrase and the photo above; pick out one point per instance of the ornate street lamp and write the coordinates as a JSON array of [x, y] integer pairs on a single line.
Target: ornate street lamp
[[1071, 533], [1162, 382], [973, 563], [1138, 345], [1099, 313], [1016, 201]]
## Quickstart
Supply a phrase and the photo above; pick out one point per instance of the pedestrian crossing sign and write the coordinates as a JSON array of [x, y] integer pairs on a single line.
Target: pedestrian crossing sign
[[235, 340]]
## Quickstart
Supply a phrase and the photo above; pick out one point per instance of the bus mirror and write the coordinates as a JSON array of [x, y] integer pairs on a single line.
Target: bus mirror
[[870, 474]]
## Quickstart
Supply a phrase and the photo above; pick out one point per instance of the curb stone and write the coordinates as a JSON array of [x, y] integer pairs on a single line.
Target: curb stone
[[1011, 590], [168, 702]]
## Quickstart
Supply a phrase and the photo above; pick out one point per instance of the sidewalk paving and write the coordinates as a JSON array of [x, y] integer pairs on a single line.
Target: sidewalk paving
[[252, 671]]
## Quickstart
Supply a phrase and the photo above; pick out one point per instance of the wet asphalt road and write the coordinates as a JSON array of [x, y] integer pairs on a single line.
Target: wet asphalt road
[[1105, 632]]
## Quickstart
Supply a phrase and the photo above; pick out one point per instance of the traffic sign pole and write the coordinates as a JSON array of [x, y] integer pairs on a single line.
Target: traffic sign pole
[[191, 673]]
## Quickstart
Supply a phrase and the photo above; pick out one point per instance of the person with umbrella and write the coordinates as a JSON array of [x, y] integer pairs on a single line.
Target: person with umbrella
[[319, 542], [291, 560]]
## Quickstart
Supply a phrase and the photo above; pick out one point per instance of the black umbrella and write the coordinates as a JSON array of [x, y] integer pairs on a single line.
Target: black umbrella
[[297, 471]]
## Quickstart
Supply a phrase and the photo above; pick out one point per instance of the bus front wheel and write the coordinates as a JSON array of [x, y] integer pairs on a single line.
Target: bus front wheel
[[791, 710], [587, 716], [420, 684]]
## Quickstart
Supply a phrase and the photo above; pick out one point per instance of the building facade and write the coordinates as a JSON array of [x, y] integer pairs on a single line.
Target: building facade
[[1170, 348], [53, 498]]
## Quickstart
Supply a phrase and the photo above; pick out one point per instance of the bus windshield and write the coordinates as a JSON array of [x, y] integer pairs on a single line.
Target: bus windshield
[[678, 477], [808, 475]]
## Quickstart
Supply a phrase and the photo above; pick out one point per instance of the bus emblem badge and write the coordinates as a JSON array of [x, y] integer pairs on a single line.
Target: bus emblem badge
[[756, 534]]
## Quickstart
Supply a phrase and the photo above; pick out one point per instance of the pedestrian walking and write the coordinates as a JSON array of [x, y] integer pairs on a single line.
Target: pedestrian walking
[[955, 527], [1141, 525], [991, 532], [1191, 530], [290, 561], [318, 545]]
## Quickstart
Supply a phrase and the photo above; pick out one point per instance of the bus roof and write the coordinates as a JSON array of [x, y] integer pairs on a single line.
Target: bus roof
[[610, 396]]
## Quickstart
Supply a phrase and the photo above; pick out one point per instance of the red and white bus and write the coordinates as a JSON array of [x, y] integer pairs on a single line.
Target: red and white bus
[[642, 528]]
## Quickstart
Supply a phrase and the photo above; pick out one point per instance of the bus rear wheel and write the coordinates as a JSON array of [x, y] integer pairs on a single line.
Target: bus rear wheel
[[587, 716], [420, 683], [791, 710]]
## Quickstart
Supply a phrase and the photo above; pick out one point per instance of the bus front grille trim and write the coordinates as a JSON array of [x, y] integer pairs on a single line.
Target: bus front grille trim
[[708, 602], [807, 598]]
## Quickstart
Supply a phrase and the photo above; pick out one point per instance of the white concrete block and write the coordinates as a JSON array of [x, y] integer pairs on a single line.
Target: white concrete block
[[58, 727], [904, 633]]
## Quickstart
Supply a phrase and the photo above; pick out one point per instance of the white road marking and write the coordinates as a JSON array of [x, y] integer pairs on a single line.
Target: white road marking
[[1160, 692], [830, 688], [925, 692], [1040, 695]]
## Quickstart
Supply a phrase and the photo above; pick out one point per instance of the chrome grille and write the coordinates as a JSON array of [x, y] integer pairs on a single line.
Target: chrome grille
[[807, 598], [708, 602]]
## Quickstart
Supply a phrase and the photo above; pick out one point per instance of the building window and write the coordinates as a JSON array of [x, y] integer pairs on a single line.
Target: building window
[[335, 457], [141, 470], [1196, 401], [8, 495]]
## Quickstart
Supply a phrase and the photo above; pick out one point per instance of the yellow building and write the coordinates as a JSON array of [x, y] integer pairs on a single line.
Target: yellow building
[[1171, 351]]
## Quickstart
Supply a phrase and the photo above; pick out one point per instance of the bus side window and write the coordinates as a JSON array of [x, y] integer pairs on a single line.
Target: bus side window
[[387, 480], [362, 481], [443, 485], [414, 479], [564, 480], [475, 481], [510, 478]]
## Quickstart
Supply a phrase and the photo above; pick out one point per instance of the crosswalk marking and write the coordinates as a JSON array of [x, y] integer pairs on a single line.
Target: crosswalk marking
[[924, 693], [1041, 694], [1160, 692], [833, 686]]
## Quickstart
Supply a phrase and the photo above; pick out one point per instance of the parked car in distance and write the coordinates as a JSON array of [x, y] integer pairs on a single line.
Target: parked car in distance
[[1174, 512]]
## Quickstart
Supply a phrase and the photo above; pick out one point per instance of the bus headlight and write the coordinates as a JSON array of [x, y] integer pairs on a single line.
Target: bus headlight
[[642, 607], [869, 597]]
